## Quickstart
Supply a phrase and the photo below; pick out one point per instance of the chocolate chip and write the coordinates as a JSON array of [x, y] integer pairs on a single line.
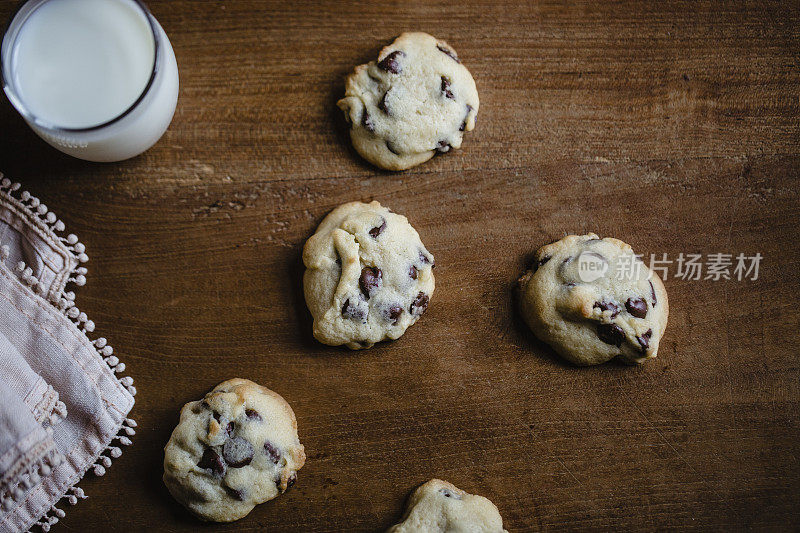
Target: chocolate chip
[[446, 88], [289, 482], [653, 293], [412, 272], [252, 414], [366, 121], [443, 146], [610, 334], [236, 494], [449, 52], [230, 428], [272, 452], [644, 340], [419, 305], [370, 281], [391, 63], [449, 494], [637, 307], [424, 258], [237, 452], [351, 311], [392, 148], [382, 104], [377, 230], [393, 314], [212, 461], [608, 306], [216, 416], [542, 260], [464, 124]]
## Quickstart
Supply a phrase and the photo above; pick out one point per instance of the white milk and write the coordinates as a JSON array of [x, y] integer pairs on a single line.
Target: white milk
[[82, 74]]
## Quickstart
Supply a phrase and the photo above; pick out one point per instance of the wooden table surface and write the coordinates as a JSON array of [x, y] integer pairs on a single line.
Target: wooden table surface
[[673, 125]]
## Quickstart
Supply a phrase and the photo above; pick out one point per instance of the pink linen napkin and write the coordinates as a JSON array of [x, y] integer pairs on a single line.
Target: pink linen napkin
[[63, 410]]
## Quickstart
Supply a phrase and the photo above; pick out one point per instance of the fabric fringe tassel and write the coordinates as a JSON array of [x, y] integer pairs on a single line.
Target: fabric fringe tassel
[[42, 468], [112, 451], [50, 410], [54, 514], [36, 209], [65, 302]]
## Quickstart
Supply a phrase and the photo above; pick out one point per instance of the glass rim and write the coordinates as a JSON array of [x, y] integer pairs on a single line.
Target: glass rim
[[18, 102]]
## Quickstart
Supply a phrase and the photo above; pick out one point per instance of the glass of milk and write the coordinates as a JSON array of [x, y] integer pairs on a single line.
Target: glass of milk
[[97, 79]]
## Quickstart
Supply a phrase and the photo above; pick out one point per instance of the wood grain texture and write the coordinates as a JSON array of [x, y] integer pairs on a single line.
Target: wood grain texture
[[672, 125]]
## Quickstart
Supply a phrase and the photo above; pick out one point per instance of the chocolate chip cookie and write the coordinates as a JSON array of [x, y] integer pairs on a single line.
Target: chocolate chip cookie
[[232, 450], [439, 507], [368, 276], [593, 299], [415, 101]]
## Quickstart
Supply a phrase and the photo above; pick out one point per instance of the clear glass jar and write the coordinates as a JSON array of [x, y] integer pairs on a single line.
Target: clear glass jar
[[129, 133]]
